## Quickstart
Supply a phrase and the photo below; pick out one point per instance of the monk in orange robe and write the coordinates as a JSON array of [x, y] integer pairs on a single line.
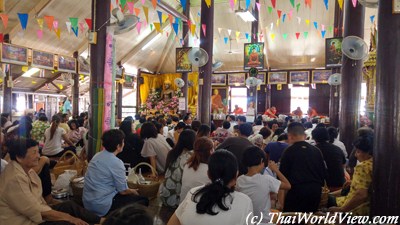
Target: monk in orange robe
[[271, 112], [238, 110]]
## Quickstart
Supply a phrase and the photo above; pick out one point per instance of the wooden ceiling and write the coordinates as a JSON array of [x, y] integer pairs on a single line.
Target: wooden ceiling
[[281, 53]]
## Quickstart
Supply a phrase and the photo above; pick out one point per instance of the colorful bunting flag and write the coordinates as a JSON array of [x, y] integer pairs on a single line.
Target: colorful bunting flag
[[49, 21], [171, 19], [354, 3], [297, 35], [316, 25], [229, 32], [284, 36], [232, 4], [122, 3], [204, 28], [372, 18], [331, 29], [277, 22], [269, 9], [146, 13], [176, 28], [273, 2], [82, 26], [154, 3], [68, 26], [137, 11], [58, 32], [283, 17], [247, 36], [40, 22], [323, 32], [278, 87], [55, 24], [290, 14], [164, 18], [247, 4], [272, 35], [4, 18], [308, 22], [89, 22], [193, 29], [39, 33], [322, 27], [130, 7], [23, 19], [138, 26], [299, 20], [258, 6], [75, 30], [74, 22], [292, 2], [298, 7], [340, 2], [159, 15], [1, 37], [208, 3], [151, 27], [183, 3], [314, 86], [143, 1], [326, 4], [219, 30], [237, 34], [279, 13], [226, 40], [305, 35]]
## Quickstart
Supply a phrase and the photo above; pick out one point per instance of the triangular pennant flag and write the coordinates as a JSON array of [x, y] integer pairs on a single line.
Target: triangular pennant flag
[[354, 3], [40, 22], [49, 21], [189, 22], [204, 28], [283, 17], [247, 35], [322, 27], [55, 24], [272, 26], [130, 7], [182, 42], [229, 32], [193, 29], [208, 3], [237, 34], [284, 36], [308, 22], [277, 22], [292, 2], [144, 23], [298, 7], [331, 29], [138, 26], [195, 41], [89, 23], [372, 18], [326, 4], [336, 30], [323, 32], [297, 35], [290, 14], [219, 30], [269, 9], [58, 32], [146, 13], [122, 3], [183, 3], [74, 22], [68, 26], [314, 86], [232, 4], [154, 3], [4, 18], [316, 25], [273, 2], [137, 11], [258, 6], [247, 4], [305, 35], [143, 1], [272, 36], [1, 38], [299, 20], [151, 27], [340, 4], [176, 28], [279, 13], [167, 34], [164, 18], [81, 27], [171, 19], [159, 15], [23, 19], [75, 30], [39, 33], [226, 40]]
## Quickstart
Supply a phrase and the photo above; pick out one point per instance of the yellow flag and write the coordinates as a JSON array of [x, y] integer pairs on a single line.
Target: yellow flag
[[308, 22], [277, 22], [193, 29], [40, 22], [158, 27], [146, 13], [272, 37], [279, 87], [164, 18], [237, 34], [208, 3], [58, 33], [340, 4]]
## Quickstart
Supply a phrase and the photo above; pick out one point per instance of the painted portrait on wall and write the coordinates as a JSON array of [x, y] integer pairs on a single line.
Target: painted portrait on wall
[[254, 55], [333, 52], [182, 60]]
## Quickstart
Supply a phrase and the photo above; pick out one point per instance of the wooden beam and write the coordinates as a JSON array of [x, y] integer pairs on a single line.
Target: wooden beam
[[59, 90], [165, 52], [35, 11], [56, 76]]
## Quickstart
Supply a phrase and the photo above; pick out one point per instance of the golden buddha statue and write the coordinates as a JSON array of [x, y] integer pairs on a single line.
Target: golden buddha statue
[[193, 103], [167, 93]]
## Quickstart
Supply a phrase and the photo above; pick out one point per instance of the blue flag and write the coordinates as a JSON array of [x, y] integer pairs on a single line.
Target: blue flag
[[23, 19], [159, 16], [316, 25], [372, 18], [226, 40], [183, 3], [247, 4], [284, 17], [176, 27], [75, 30], [326, 4], [323, 33]]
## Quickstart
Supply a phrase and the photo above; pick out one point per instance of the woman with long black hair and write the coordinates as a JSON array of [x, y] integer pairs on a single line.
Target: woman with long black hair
[[217, 202], [53, 138], [133, 145]]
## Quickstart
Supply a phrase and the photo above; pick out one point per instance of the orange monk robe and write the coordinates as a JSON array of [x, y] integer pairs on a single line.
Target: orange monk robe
[[216, 103], [312, 113], [238, 111], [270, 113]]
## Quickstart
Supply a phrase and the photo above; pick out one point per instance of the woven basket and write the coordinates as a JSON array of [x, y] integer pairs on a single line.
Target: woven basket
[[63, 164], [147, 190]]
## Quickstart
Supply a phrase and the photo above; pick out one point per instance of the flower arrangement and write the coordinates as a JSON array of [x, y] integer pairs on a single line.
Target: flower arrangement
[[153, 103]]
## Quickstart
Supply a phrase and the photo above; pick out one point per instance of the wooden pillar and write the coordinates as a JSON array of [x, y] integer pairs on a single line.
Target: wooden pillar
[[205, 72], [119, 100], [75, 88], [100, 17], [334, 100], [386, 182], [254, 39], [185, 37], [30, 101], [139, 81], [350, 92], [7, 90]]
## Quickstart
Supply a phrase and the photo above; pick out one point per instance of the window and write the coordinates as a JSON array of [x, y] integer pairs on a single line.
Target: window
[[128, 102], [363, 98], [239, 97], [299, 97]]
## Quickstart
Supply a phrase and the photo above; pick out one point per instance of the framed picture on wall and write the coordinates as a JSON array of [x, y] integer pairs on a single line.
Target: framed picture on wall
[[253, 55], [42, 60], [299, 77], [14, 54], [182, 60], [237, 79], [333, 52], [84, 69], [219, 99], [320, 76], [262, 77], [218, 79], [66, 64], [277, 78]]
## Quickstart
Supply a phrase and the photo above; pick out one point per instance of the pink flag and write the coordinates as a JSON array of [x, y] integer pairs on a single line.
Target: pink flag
[[322, 27], [55, 24], [290, 14], [143, 1], [81, 26], [203, 26], [354, 3], [130, 7], [258, 6], [232, 4], [138, 26], [40, 34]]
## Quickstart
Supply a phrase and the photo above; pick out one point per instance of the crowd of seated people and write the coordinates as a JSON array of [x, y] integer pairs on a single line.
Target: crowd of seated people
[[255, 167]]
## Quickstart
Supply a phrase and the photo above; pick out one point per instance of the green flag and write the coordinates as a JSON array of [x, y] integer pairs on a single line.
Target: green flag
[[269, 9], [74, 22]]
